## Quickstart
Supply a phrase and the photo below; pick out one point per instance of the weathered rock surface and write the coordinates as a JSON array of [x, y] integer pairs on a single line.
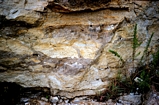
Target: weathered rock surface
[[152, 98], [69, 52]]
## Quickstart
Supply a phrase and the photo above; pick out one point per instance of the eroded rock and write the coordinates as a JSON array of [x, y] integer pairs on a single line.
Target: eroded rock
[[69, 52]]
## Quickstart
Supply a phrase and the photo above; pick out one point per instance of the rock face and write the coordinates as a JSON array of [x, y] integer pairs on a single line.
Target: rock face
[[64, 44]]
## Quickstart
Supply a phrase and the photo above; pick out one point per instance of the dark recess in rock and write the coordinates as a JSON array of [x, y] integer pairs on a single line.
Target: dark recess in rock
[[77, 5], [4, 23], [11, 93]]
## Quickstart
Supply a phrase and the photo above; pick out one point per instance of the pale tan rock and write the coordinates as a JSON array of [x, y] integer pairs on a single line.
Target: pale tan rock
[[35, 60], [36, 68], [56, 52], [3, 45], [36, 5], [108, 17], [69, 52], [18, 47], [21, 10], [50, 64], [154, 29]]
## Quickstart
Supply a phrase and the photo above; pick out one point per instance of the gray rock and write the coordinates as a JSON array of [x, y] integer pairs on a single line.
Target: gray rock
[[44, 99], [152, 98], [25, 100], [130, 99], [54, 100]]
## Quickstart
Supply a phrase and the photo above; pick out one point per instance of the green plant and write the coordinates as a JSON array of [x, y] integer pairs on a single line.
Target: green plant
[[146, 73], [154, 66], [114, 90], [47, 96], [116, 54], [116, 87], [136, 44], [144, 81], [155, 61], [145, 53]]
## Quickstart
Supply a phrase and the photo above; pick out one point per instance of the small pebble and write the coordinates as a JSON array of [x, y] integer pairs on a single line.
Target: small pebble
[[27, 103], [54, 100], [44, 99]]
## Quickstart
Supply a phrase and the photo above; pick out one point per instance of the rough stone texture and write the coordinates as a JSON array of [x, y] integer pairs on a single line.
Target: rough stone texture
[[130, 99], [57, 100], [152, 98], [29, 10], [69, 52], [22, 10], [79, 5]]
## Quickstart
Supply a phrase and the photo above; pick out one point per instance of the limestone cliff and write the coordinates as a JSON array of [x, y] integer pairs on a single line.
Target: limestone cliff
[[64, 44]]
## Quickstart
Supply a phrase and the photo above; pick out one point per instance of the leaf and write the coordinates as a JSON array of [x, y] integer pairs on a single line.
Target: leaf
[[116, 54], [146, 49], [137, 54]]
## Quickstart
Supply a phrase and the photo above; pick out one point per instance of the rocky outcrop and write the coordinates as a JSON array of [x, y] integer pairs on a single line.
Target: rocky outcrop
[[65, 46], [30, 10]]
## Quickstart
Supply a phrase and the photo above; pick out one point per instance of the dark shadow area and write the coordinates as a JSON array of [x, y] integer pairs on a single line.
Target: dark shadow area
[[9, 93], [13, 94], [7, 23]]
